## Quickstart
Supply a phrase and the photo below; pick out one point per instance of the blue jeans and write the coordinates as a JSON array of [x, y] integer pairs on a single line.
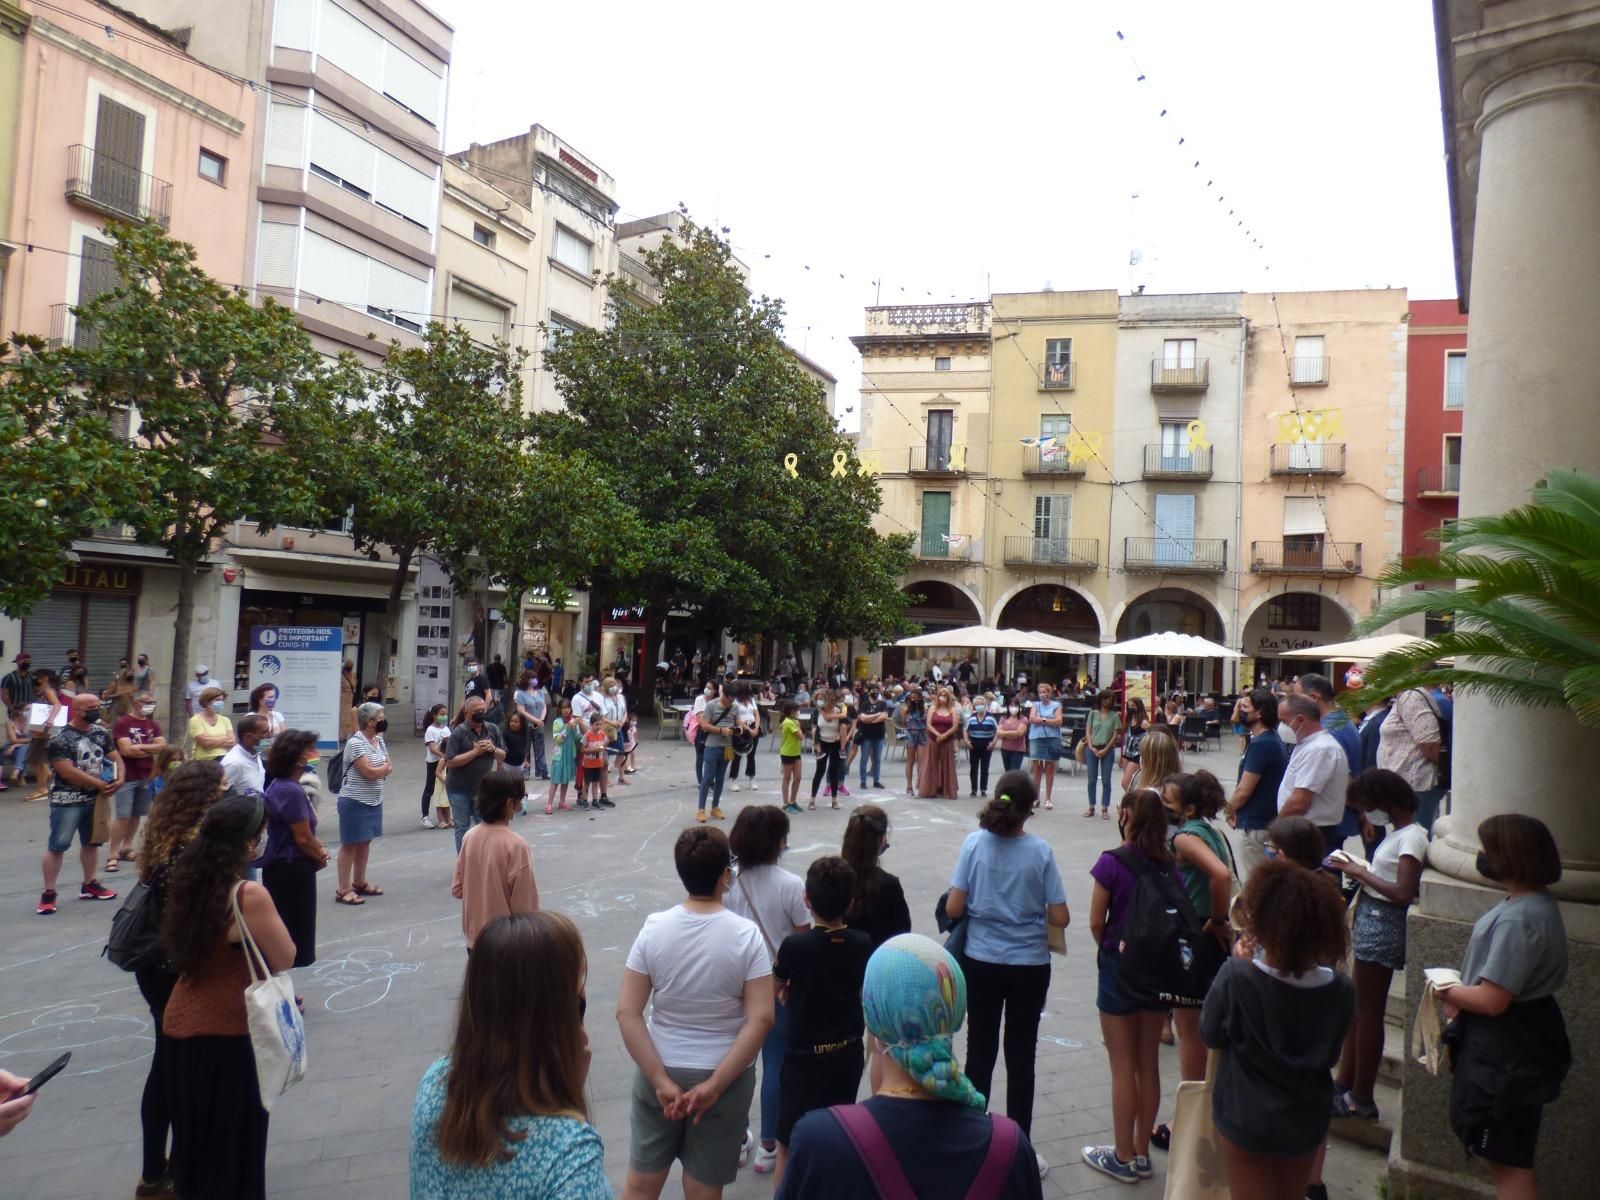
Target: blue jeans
[[1013, 759], [1100, 769], [871, 751], [536, 741], [1428, 807], [713, 771], [772, 1051], [462, 813]]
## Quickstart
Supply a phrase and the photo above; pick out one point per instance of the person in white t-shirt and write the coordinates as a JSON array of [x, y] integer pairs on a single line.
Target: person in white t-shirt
[[1318, 773], [706, 977], [775, 900], [1388, 888], [434, 740]]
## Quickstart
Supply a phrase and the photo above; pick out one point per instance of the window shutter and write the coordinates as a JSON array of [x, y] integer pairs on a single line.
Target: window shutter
[[350, 45], [408, 191], [118, 156], [339, 151], [276, 246], [1302, 515], [405, 294], [291, 24], [1174, 529], [97, 271], [286, 135], [332, 271], [935, 524], [411, 83], [483, 319]]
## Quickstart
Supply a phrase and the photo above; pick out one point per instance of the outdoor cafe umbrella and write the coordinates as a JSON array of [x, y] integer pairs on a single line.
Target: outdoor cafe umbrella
[[987, 637], [1361, 650], [1172, 645]]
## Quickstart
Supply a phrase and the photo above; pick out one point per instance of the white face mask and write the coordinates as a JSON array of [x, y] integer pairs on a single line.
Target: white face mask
[[216, 705], [148, 710]]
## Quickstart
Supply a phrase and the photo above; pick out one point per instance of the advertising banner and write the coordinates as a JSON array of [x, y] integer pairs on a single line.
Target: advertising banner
[[302, 662]]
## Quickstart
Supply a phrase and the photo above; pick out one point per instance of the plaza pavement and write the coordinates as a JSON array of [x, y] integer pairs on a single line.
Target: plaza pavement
[[380, 998]]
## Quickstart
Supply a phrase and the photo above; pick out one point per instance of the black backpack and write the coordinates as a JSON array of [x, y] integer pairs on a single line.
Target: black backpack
[[1168, 960], [135, 941]]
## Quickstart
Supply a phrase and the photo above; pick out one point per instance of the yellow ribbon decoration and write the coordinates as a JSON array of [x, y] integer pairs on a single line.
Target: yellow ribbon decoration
[[1082, 446], [840, 457], [958, 456], [871, 462], [789, 461], [1323, 425], [1197, 436]]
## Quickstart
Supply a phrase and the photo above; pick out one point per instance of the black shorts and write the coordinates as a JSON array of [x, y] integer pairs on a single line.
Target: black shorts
[[594, 775], [807, 1082], [1508, 1140]]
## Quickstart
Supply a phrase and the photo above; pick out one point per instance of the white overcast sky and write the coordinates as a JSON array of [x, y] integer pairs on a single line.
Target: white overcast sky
[[950, 149]]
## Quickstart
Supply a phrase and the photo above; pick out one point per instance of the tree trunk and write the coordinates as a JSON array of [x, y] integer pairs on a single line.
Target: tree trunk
[[391, 618], [177, 717]]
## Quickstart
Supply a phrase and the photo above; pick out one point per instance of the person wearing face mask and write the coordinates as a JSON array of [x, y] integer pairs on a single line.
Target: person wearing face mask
[[264, 704], [293, 854], [872, 722], [138, 740], [1318, 774], [434, 738], [477, 685], [1102, 737], [241, 765], [706, 696], [615, 707], [143, 675], [1254, 803], [366, 766], [86, 766], [475, 748], [1011, 735], [210, 731], [192, 703], [590, 708]]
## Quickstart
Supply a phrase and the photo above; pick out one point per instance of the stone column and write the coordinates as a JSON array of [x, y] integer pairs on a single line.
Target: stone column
[[1531, 406]]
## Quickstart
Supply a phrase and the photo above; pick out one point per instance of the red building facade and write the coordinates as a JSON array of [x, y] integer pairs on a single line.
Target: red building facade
[[1436, 385]]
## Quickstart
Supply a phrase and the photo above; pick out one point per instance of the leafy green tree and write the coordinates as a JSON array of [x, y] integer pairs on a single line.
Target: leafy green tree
[[61, 470], [1526, 607], [234, 414], [689, 409]]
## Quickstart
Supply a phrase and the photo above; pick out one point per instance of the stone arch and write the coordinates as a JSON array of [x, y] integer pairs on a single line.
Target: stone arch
[[933, 586], [1225, 635], [1333, 598], [1012, 593]]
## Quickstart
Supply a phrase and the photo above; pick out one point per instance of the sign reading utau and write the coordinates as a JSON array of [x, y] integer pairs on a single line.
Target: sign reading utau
[[302, 662]]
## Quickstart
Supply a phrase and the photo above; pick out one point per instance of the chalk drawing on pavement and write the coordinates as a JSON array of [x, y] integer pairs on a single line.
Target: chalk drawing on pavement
[[360, 979]]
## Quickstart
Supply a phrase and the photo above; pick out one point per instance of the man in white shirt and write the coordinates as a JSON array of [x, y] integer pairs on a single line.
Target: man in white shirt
[[242, 766], [1318, 773], [192, 689]]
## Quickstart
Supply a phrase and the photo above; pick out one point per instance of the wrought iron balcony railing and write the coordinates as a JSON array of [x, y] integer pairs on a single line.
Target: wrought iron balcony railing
[[1308, 458], [1203, 556], [1057, 554], [1305, 556], [117, 188], [1170, 462]]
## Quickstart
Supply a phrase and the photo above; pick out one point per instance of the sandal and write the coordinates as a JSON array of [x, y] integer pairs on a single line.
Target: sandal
[[111, 866], [365, 889], [1089, 812], [1105, 814], [549, 810], [1049, 805], [812, 807], [347, 898], [1346, 1105]]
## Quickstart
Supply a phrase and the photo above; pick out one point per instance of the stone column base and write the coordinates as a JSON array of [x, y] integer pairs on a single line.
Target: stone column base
[[1426, 1159]]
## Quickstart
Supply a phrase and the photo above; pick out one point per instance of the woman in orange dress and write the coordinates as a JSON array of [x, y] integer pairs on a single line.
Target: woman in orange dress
[[939, 755]]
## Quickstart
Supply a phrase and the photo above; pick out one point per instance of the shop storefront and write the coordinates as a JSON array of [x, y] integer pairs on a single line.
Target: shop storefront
[[1290, 621], [544, 630], [92, 610], [623, 642]]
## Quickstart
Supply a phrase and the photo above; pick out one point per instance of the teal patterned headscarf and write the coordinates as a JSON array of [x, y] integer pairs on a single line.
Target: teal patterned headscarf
[[915, 999]]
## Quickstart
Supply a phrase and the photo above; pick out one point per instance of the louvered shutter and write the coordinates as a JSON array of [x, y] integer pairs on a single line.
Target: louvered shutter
[[286, 135], [118, 157], [276, 247]]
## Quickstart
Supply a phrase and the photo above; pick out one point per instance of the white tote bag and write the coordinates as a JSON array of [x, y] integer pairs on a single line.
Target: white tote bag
[[1196, 1169], [277, 1030]]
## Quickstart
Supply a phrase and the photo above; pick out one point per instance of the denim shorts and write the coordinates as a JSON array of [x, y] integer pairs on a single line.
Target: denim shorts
[[1111, 998], [67, 819], [133, 799]]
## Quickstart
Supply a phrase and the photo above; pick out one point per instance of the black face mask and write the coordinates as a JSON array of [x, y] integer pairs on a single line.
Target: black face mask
[[476, 718], [1174, 818], [90, 715], [383, 725], [1486, 868]]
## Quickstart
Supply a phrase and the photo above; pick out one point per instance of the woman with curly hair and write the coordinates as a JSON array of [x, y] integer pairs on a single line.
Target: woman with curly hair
[[219, 1129], [186, 794], [1278, 1012]]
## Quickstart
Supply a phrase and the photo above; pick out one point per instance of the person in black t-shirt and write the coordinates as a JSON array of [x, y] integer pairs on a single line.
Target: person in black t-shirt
[[819, 974]]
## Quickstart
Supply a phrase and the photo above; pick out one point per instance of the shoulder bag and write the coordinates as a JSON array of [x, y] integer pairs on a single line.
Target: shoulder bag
[[277, 1030], [755, 914], [889, 1177]]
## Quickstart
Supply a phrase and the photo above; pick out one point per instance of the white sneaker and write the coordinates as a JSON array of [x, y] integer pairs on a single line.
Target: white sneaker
[[428, 823], [744, 1148], [765, 1160], [1044, 1167]]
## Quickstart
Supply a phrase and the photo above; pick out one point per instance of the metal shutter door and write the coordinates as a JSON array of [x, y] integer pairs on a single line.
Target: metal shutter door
[[332, 271], [54, 627], [350, 45], [276, 246], [483, 320], [406, 190], [107, 634], [286, 135], [411, 83], [334, 148], [118, 156]]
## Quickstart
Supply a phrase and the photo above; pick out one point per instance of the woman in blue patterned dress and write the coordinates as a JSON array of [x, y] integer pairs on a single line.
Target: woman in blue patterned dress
[[504, 1114]]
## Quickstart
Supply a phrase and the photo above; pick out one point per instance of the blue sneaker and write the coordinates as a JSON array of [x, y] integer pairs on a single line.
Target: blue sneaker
[[1142, 1167], [1104, 1159]]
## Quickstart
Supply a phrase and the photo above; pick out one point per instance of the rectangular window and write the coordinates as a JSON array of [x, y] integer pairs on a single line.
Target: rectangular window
[[1178, 354], [942, 363], [573, 251], [1295, 612], [1052, 528], [935, 524], [1310, 362], [557, 328], [213, 167], [1058, 362], [1455, 378], [482, 318], [1174, 530], [941, 433], [482, 236], [1452, 462], [1175, 454]]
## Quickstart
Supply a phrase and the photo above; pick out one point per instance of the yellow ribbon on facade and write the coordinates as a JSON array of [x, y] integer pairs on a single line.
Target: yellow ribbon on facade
[[840, 457], [1322, 425], [958, 456], [1197, 436], [871, 462], [1082, 446], [789, 461]]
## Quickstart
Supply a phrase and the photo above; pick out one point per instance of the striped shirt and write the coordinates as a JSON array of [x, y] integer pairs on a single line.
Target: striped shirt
[[356, 785]]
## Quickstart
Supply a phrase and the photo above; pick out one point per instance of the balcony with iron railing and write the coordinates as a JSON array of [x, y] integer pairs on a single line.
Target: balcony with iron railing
[[1439, 481], [1172, 462], [936, 549], [1310, 370], [1058, 377], [65, 330], [1199, 556], [1051, 463], [937, 459], [1308, 458], [117, 189], [1172, 377], [1305, 556], [1056, 554]]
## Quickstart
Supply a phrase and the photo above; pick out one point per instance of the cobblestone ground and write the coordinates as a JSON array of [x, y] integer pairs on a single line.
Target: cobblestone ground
[[381, 995]]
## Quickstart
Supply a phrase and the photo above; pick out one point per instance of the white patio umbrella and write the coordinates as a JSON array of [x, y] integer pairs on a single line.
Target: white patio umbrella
[[1361, 650], [1172, 645], [1049, 643], [987, 637]]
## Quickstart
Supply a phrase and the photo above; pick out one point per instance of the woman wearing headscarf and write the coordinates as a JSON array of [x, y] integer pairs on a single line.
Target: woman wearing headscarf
[[925, 1123]]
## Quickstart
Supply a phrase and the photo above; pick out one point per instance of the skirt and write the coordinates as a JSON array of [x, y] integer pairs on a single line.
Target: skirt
[[564, 761], [219, 1129], [1044, 749], [1380, 933], [939, 771], [293, 888], [359, 822]]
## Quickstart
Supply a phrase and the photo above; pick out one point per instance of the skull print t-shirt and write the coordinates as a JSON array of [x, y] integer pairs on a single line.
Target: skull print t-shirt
[[89, 751]]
